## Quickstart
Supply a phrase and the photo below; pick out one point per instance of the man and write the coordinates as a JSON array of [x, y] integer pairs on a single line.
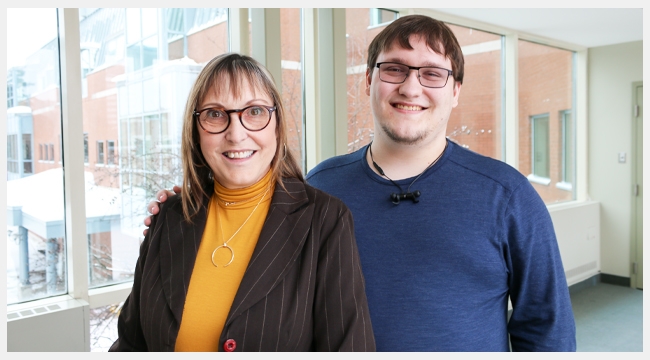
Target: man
[[445, 236]]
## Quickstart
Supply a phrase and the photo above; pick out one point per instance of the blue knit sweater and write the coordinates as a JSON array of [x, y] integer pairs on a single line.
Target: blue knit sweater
[[439, 272]]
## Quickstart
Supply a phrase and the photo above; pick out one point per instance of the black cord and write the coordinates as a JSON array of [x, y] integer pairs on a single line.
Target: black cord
[[395, 198]]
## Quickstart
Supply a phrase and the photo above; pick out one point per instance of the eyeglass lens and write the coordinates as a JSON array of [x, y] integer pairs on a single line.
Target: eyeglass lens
[[428, 76], [253, 118]]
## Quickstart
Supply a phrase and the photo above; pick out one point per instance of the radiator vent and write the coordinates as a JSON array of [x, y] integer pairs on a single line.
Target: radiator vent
[[587, 268], [31, 312]]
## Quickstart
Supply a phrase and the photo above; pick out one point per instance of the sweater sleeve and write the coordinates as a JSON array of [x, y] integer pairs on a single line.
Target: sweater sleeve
[[542, 317], [341, 314]]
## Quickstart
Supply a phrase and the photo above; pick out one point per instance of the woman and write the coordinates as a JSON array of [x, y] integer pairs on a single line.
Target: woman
[[248, 257]]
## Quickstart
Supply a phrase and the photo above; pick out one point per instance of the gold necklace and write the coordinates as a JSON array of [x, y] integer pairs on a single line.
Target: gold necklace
[[225, 244], [231, 203]]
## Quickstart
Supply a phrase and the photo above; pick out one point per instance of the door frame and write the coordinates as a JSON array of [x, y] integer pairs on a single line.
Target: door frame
[[636, 230]]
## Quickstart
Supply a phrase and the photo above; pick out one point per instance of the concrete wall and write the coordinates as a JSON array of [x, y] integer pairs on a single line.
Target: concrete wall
[[612, 70]]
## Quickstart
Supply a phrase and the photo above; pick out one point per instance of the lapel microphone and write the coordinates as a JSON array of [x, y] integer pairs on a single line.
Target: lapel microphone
[[413, 196], [396, 198]]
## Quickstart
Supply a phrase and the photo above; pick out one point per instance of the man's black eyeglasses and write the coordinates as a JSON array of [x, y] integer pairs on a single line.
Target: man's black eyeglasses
[[429, 76]]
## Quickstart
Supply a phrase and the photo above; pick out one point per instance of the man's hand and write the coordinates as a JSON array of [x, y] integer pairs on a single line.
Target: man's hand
[[153, 208]]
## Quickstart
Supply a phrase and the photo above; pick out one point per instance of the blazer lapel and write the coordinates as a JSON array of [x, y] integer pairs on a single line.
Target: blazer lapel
[[282, 237], [178, 252]]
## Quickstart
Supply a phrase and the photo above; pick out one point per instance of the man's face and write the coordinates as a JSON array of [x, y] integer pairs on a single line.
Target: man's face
[[409, 113]]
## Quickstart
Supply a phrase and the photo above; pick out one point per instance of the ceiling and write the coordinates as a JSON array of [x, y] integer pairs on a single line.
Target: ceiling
[[584, 27]]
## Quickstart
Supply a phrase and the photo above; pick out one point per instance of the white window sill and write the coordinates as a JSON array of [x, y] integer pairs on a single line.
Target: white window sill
[[107, 295], [538, 179], [564, 186]]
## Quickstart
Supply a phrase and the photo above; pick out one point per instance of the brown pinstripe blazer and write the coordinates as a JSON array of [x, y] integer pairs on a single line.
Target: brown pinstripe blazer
[[303, 289]]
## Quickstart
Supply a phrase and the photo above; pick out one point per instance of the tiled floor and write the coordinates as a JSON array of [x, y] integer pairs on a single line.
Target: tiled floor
[[608, 318]]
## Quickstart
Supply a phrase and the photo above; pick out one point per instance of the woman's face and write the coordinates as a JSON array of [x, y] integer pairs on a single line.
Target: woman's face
[[238, 157]]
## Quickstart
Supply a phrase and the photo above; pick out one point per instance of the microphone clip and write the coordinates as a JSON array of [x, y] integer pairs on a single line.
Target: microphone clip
[[396, 198]]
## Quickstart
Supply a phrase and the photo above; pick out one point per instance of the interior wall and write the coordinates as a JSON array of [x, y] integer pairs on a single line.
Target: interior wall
[[612, 70]]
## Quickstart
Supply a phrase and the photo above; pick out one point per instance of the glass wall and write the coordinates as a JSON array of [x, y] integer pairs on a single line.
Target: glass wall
[[36, 253], [138, 67]]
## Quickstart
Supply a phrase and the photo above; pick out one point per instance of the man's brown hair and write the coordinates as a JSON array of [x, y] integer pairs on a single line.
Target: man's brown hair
[[437, 35]]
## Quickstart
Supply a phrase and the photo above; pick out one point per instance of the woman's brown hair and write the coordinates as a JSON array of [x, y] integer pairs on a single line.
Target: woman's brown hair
[[236, 71]]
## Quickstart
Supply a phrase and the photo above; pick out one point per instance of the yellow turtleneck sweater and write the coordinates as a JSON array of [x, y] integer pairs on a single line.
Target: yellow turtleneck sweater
[[212, 289]]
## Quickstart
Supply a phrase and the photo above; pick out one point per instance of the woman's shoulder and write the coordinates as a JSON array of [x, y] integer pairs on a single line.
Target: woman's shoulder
[[314, 195], [171, 209], [173, 202]]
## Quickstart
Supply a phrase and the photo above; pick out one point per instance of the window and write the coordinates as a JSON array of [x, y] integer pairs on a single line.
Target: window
[[86, 148], [12, 148], [40, 152], [142, 38], [382, 16], [51, 152], [110, 149], [476, 122], [540, 149], [12, 153], [546, 93], [149, 103], [568, 151], [100, 152], [27, 153], [39, 237], [27, 146], [60, 150], [15, 86], [10, 95]]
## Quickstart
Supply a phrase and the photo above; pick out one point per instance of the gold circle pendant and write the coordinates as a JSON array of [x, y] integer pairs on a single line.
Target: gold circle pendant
[[225, 246]]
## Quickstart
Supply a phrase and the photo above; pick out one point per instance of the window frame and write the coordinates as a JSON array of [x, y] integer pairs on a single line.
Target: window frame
[[567, 150], [375, 17]]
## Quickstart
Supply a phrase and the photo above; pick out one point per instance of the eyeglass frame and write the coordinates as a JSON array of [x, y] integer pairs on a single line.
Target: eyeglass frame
[[449, 73], [197, 114]]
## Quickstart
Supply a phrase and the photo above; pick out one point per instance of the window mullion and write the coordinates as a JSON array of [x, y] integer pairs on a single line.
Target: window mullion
[[72, 131], [511, 100], [580, 123]]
